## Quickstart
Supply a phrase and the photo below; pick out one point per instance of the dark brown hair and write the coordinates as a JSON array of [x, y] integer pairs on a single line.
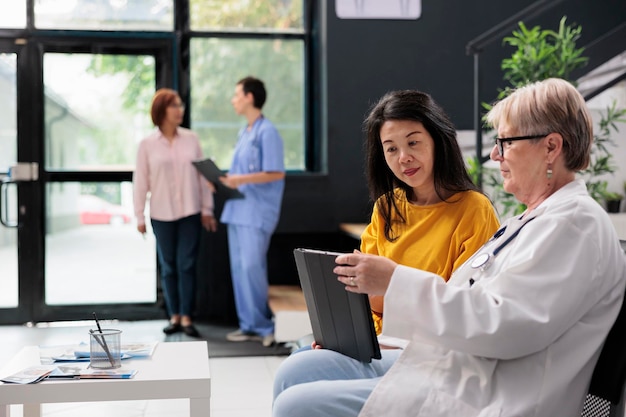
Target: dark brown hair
[[256, 87], [450, 175]]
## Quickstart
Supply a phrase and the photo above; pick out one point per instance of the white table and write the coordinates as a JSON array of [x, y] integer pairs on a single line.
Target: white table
[[175, 370]]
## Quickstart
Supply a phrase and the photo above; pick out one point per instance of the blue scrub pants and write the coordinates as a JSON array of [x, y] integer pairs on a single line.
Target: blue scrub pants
[[324, 383], [248, 267], [177, 250]]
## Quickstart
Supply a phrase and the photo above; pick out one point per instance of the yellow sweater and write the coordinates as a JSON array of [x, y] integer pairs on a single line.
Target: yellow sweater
[[436, 238]]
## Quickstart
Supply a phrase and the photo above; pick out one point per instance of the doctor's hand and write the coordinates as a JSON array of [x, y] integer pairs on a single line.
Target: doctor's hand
[[231, 181], [362, 273]]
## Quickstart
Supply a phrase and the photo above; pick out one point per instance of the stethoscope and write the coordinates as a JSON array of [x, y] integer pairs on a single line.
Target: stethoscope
[[484, 260]]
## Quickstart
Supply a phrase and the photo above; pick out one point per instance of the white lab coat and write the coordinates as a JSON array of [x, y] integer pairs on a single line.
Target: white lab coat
[[524, 338]]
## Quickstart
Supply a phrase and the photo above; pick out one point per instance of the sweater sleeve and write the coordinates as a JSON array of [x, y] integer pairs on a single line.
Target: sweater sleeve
[[478, 227]]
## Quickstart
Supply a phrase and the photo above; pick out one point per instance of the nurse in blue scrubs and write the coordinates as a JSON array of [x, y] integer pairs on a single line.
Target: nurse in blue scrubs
[[258, 171]]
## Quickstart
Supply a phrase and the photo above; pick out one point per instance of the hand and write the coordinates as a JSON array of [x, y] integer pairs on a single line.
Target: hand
[[141, 228], [365, 274], [231, 181], [314, 345], [211, 186], [209, 222]]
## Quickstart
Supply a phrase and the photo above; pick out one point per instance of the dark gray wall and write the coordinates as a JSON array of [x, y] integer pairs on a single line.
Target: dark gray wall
[[360, 60]]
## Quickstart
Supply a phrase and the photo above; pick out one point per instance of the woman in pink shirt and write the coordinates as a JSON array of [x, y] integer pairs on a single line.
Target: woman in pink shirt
[[180, 203]]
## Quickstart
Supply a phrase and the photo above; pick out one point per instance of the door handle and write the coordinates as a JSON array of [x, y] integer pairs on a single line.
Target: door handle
[[19, 172], [4, 207], [24, 171]]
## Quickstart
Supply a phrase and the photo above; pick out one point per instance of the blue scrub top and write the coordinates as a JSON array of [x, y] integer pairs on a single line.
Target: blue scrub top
[[259, 149]]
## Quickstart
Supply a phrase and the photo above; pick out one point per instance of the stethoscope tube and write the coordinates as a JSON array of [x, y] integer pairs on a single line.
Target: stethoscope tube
[[483, 261]]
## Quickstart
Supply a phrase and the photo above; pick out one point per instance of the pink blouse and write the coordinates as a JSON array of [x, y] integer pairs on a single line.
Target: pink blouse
[[164, 170]]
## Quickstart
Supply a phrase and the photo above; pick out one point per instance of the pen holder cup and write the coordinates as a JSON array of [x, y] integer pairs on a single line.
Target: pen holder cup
[[105, 349]]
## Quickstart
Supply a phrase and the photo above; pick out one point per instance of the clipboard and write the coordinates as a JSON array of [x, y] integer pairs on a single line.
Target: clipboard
[[211, 172], [341, 320]]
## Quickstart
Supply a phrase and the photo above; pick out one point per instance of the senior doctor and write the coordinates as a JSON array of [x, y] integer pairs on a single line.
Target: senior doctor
[[518, 328]]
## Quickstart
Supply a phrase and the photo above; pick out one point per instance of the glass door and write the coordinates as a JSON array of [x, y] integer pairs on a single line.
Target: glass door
[[8, 191], [20, 261], [96, 110], [74, 112], [93, 124]]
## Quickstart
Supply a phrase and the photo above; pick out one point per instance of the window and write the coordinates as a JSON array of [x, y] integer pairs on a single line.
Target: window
[[13, 14], [217, 64], [247, 15], [97, 109], [8, 156], [233, 39], [140, 15], [94, 254], [8, 117]]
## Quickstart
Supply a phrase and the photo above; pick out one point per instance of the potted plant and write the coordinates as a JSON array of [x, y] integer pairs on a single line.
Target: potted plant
[[601, 158], [613, 201]]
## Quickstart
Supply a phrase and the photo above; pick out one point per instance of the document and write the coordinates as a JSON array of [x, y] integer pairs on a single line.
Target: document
[[211, 172], [341, 320], [85, 372], [80, 352], [30, 375], [71, 371], [119, 373], [127, 350]]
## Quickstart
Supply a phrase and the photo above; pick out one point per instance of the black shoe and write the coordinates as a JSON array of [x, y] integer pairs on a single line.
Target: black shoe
[[191, 331], [172, 328]]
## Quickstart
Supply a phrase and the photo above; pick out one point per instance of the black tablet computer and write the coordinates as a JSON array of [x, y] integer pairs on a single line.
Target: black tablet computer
[[341, 320], [211, 172]]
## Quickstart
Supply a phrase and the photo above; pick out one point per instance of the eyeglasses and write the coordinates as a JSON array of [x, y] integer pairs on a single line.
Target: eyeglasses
[[500, 141], [177, 106]]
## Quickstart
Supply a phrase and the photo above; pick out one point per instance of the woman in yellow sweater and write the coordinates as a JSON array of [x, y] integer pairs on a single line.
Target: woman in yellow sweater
[[428, 213]]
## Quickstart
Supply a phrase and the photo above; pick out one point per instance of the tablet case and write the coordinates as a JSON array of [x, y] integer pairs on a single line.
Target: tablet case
[[341, 320], [211, 172]]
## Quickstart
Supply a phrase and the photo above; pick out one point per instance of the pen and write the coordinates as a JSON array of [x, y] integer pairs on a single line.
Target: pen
[[101, 340]]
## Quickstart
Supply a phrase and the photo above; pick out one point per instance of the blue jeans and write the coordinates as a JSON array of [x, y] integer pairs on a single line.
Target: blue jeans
[[247, 247], [177, 250], [324, 383]]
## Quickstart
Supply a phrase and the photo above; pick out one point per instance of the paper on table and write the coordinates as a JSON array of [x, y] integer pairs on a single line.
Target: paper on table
[[128, 350], [139, 349], [80, 352], [78, 356], [211, 172], [67, 371], [83, 372], [29, 375], [119, 373]]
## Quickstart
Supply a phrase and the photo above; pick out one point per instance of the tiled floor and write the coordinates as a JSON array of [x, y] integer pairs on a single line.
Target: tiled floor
[[240, 387]]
